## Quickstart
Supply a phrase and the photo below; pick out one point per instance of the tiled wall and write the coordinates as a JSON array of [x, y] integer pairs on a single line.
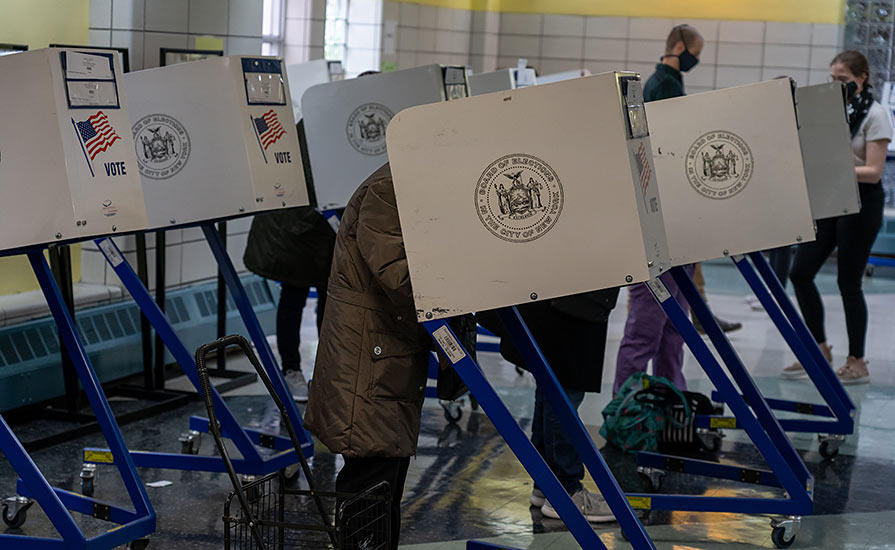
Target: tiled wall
[[188, 259], [303, 31], [144, 26], [736, 52]]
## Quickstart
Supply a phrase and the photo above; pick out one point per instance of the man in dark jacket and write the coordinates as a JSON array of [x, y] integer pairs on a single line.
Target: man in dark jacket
[[293, 247], [571, 333], [369, 382]]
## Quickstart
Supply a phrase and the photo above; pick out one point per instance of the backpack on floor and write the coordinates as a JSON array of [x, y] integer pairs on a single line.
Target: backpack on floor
[[680, 437], [640, 411]]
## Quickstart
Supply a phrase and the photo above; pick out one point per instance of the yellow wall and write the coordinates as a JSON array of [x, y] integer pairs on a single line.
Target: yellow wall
[[801, 11], [38, 23]]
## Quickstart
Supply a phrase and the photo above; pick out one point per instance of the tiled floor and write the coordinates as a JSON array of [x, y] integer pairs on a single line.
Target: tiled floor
[[464, 483]]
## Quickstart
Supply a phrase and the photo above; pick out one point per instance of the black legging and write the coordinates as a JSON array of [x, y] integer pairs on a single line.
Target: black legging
[[854, 235]]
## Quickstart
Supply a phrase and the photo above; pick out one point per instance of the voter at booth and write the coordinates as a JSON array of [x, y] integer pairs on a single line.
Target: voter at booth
[[295, 248], [369, 382], [649, 335], [571, 333], [853, 235]]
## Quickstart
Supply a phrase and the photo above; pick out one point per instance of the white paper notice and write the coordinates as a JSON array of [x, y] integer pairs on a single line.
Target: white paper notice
[[88, 93], [85, 65], [449, 344], [111, 252], [265, 88], [659, 290]]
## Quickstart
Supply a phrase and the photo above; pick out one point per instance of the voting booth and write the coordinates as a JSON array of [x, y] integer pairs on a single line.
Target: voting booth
[[66, 153], [302, 76], [502, 80], [496, 192], [507, 198], [729, 168], [826, 150], [551, 191], [346, 121], [215, 139], [68, 173]]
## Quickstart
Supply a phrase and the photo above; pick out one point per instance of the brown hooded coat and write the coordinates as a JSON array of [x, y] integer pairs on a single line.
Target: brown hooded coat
[[369, 380]]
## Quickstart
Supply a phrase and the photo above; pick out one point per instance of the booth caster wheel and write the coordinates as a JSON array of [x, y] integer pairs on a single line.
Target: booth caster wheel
[[651, 478], [15, 511], [778, 536], [453, 410], [829, 445], [88, 479], [190, 442], [784, 530], [139, 544]]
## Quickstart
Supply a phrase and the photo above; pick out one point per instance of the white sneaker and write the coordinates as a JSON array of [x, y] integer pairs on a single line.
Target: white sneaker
[[297, 385], [592, 505], [537, 498], [755, 304]]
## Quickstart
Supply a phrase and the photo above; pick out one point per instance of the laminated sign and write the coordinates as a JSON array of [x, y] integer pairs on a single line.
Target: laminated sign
[[66, 153], [528, 194]]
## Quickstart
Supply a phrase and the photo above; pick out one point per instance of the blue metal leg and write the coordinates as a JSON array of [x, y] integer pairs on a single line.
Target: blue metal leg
[[519, 443], [257, 335], [55, 503], [575, 429], [762, 427], [163, 327], [832, 387]]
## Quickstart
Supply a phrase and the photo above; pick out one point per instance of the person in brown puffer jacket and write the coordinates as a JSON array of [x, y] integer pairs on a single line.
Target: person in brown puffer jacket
[[369, 380]]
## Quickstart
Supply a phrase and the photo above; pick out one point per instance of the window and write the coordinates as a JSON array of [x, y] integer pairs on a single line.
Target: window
[[273, 15], [335, 40]]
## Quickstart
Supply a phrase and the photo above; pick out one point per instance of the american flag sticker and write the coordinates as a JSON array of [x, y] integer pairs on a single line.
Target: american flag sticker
[[644, 167], [96, 134], [268, 128]]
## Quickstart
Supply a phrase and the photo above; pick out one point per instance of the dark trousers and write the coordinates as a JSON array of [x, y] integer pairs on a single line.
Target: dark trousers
[[781, 262], [360, 474], [289, 311], [854, 236], [549, 438]]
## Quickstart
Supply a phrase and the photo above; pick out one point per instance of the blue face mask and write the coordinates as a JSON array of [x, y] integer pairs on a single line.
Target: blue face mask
[[686, 59]]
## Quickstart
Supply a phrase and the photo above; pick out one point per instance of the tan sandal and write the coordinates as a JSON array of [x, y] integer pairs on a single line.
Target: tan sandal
[[797, 372], [854, 371]]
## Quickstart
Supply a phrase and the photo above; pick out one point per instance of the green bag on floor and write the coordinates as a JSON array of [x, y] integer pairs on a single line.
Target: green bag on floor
[[636, 416]]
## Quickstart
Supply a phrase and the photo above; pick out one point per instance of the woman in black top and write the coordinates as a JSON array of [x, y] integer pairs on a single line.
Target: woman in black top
[[854, 234]]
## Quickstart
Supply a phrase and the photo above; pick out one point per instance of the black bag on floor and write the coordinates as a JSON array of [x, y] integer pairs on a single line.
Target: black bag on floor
[[681, 437]]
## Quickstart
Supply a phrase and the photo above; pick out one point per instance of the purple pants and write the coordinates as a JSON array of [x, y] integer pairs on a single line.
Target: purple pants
[[649, 335]]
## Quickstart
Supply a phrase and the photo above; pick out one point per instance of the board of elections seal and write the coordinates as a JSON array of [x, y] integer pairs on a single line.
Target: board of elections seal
[[163, 146], [518, 198], [366, 128], [719, 164]]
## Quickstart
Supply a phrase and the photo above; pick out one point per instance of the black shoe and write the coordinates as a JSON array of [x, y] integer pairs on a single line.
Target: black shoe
[[726, 326]]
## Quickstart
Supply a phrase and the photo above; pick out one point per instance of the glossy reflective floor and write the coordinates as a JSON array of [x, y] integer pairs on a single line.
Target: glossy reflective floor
[[464, 482]]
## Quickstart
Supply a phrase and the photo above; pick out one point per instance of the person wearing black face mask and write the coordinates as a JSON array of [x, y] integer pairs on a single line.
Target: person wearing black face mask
[[853, 235], [682, 50]]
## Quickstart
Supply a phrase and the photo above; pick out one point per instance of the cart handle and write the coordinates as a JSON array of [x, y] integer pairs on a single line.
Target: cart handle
[[237, 340]]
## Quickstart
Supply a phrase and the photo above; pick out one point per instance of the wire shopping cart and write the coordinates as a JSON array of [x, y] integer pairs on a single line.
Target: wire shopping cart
[[271, 515]]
